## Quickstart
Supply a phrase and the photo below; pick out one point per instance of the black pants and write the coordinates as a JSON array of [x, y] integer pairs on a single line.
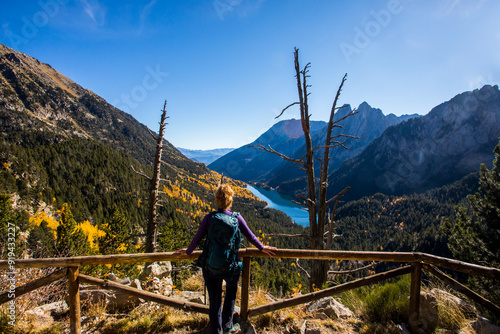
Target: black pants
[[221, 319]]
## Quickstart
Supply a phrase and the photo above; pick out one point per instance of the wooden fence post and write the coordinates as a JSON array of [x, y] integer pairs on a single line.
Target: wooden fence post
[[74, 301], [414, 315], [245, 288]]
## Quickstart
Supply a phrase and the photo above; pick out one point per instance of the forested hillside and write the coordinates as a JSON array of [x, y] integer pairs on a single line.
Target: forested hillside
[[67, 179]]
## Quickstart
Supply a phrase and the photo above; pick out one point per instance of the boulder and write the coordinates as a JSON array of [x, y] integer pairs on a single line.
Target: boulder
[[331, 307], [305, 330], [55, 309], [113, 300], [39, 318], [483, 326], [466, 308], [429, 314], [157, 269], [193, 297]]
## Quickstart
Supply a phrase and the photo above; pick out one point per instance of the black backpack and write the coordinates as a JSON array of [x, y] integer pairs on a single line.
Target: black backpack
[[220, 254]]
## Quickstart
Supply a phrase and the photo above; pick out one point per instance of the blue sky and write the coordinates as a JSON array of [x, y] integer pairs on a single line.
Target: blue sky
[[226, 66]]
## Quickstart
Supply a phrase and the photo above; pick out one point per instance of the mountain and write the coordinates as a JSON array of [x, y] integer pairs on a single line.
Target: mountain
[[204, 156], [427, 152], [36, 97], [61, 143], [368, 124], [248, 164], [251, 165]]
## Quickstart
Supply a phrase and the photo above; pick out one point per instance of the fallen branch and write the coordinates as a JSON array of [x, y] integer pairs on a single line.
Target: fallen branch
[[141, 174], [333, 272]]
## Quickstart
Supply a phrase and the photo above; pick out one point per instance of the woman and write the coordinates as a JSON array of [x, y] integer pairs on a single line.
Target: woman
[[223, 320]]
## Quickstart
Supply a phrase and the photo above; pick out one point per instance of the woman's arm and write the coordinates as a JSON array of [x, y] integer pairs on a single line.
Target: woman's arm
[[202, 231], [245, 230]]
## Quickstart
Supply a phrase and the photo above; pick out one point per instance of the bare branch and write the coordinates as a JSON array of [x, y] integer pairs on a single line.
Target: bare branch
[[307, 200], [333, 272], [151, 133], [299, 266], [190, 266], [337, 144], [141, 174], [301, 204], [352, 113], [290, 236], [271, 150], [324, 146], [282, 111], [336, 197]]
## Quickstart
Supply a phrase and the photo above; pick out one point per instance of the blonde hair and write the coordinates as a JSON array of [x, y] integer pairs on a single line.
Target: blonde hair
[[224, 196]]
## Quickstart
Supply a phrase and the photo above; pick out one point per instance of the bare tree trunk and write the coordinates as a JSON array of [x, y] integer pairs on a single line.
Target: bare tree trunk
[[317, 202], [152, 228]]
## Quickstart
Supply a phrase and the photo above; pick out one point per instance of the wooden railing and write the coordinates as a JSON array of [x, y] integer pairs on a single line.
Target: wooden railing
[[416, 261]]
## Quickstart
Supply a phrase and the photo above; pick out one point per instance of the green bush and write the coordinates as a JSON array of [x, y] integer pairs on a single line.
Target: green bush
[[382, 303]]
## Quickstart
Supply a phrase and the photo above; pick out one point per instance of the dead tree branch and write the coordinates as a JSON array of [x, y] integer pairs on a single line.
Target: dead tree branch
[[308, 237], [333, 272], [291, 104], [303, 270], [271, 150], [141, 174]]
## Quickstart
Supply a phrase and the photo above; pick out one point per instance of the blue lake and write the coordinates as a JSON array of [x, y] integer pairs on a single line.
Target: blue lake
[[283, 203]]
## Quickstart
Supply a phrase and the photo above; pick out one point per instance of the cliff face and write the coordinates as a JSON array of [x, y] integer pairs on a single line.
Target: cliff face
[[38, 101], [451, 141], [286, 137]]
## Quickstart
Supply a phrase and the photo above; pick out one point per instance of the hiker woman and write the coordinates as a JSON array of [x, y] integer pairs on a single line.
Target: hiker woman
[[219, 260]]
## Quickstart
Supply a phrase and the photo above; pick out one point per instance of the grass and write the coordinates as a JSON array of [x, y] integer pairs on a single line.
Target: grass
[[151, 318], [382, 303], [377, 309]]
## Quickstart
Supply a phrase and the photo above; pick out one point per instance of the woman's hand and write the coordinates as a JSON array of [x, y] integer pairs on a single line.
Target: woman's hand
[[181, 251], [269, 250]]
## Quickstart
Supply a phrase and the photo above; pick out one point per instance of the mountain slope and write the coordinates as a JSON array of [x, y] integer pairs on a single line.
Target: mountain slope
[[248, 164], [451, 141], [34, 96], [368, 124], [286, 137], [205, 156], [61, 143]]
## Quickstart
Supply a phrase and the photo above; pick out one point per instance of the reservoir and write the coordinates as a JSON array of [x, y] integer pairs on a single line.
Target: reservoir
[[279, 202]]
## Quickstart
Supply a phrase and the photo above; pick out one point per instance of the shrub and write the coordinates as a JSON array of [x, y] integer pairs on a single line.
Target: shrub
[[383, 303]]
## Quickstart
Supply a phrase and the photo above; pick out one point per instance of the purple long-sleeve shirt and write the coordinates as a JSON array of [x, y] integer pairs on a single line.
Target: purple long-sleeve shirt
[[203, 230]]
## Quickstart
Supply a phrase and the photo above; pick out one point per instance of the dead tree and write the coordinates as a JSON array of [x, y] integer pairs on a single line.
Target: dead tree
[[154, 182], [316, 202]]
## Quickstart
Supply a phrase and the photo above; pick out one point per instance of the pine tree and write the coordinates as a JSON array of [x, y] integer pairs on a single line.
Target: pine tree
[[117, 238], [70, 240], [476, 237]]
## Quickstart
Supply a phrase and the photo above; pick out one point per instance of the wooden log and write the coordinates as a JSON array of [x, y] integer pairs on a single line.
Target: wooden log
[[75, 325], [414, 315], [184, 305], [245, 288], [33, 285], [328, 292], [463, 289], [332, 255], [468, 268], [98, 259]]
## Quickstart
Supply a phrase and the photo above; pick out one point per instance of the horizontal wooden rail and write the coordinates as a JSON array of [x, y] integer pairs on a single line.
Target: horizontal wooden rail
[[329, 292], [76, 261], [33, 285], [170, 256], [463, 289], [253, 252], [71, 268], [332, 255], [187, 306], [464, 267]]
